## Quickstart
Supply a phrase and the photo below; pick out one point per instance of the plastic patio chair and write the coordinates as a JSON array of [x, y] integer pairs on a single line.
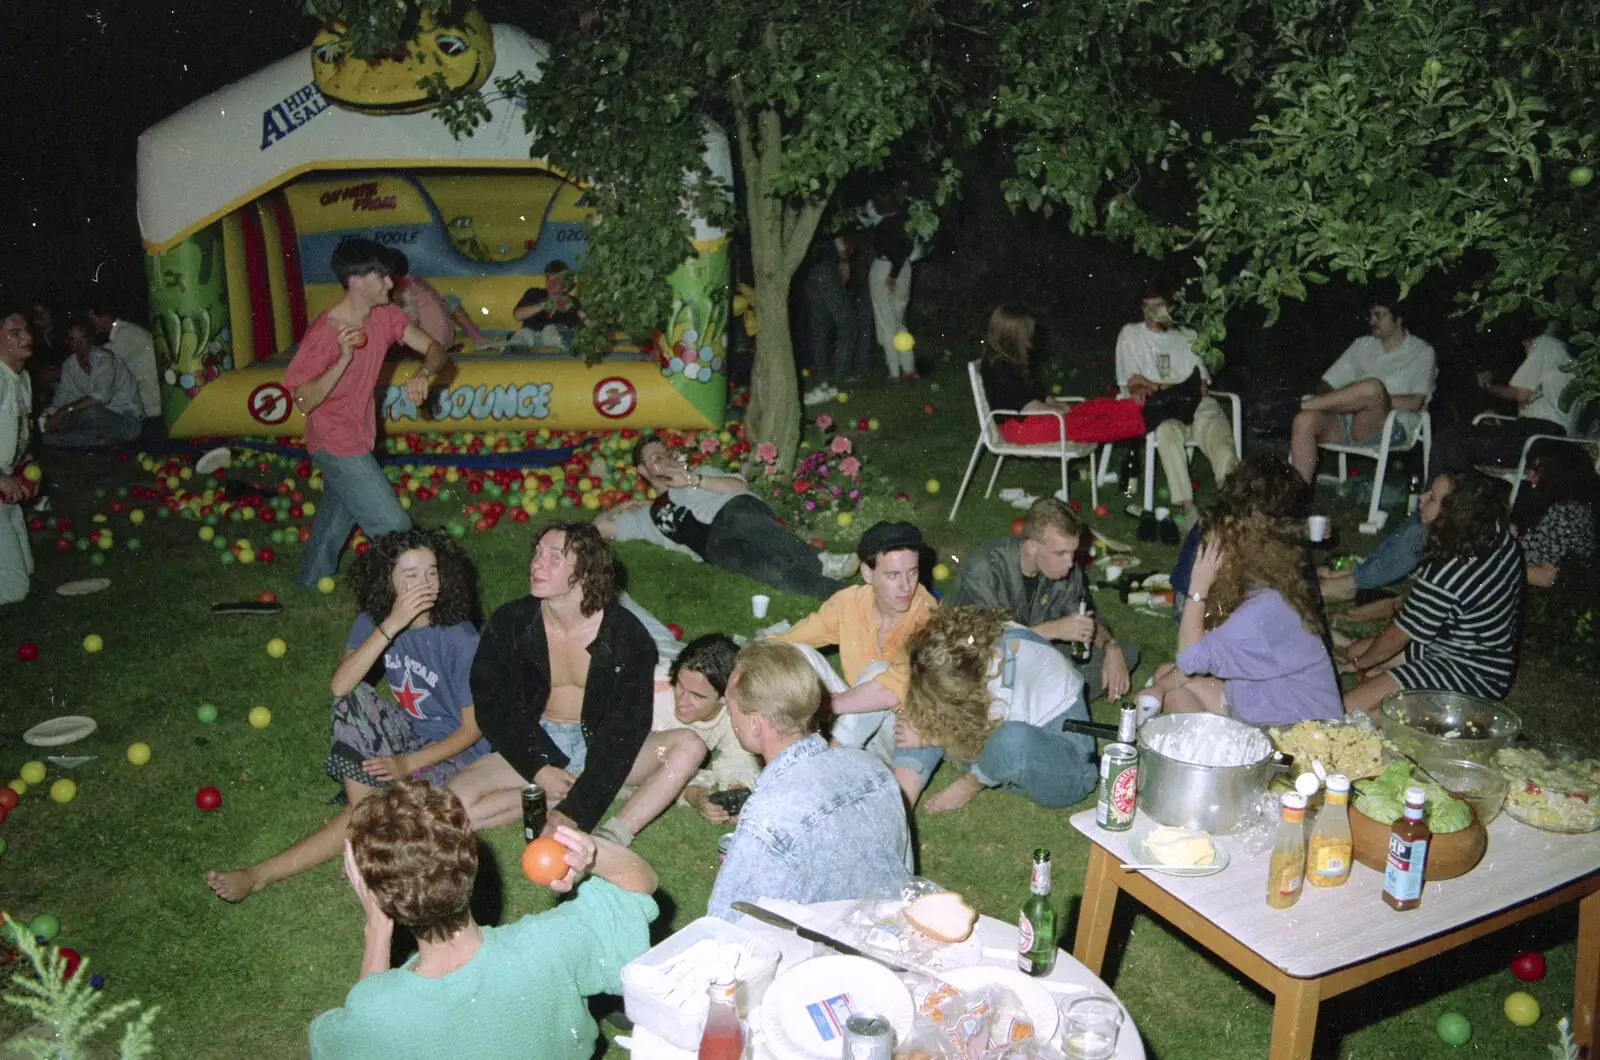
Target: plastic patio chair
[[1517, 477], [1423, 432], [989, 438]]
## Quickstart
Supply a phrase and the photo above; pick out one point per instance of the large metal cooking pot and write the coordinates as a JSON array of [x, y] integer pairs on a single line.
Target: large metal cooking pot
[[1211, 798]]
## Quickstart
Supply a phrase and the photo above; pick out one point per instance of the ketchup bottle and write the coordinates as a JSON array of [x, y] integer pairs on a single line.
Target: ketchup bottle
[[723, 1038]]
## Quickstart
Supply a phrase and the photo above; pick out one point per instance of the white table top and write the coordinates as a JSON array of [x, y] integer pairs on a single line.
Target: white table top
[[997, 938], [1334, 928]]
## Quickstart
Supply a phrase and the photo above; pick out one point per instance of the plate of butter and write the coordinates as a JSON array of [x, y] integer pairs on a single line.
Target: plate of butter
[[1176, 851]]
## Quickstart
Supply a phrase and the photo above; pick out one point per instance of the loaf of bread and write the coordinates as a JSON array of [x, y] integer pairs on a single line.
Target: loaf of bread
[[945, 916]]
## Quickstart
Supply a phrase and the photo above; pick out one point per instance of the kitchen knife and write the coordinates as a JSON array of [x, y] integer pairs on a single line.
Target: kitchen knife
[[767, 916]]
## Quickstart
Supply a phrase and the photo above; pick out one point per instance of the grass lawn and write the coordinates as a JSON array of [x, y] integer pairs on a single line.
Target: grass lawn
[[122, 864]]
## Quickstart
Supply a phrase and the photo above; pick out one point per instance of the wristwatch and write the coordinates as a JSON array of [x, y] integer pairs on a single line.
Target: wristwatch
[[1197, 598]]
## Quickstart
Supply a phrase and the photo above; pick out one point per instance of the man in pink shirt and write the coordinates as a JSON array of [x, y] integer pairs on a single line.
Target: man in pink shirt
[[332, 378]]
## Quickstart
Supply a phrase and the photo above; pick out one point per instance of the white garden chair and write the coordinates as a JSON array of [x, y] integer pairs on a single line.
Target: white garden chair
[[989, 438], [1237, 415], [1385, 448], [1589, 441]]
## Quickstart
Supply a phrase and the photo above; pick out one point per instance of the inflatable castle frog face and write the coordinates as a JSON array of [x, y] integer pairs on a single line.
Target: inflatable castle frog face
[[462, 50]]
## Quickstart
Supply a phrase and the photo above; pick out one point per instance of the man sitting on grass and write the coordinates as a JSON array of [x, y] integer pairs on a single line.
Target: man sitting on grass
[[562, 683], [514, 990], [824, 823], [871, 625], [690, 723], [1035, 579], [992, 695], [713, 516]]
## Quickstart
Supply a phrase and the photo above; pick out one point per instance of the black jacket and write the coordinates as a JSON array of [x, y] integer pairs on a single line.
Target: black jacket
[[511, 684]]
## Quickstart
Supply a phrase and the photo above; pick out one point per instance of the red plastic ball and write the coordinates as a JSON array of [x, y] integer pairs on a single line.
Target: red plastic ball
[[27, 651], [208, 798], [8, 798], [1016, 526], [1528, 967], [266, 596], [676, 630], [544, 861], [72, 958]]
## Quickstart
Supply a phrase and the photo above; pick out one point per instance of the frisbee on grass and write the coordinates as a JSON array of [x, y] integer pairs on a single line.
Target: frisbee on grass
[[213, 459], [57, 731], [84, 586]]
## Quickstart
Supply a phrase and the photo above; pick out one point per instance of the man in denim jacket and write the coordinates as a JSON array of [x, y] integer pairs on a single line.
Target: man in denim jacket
[[823, 823]]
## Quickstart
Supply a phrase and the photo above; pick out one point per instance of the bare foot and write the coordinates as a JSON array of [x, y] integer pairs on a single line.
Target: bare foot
[[955, 796], [233, 886]]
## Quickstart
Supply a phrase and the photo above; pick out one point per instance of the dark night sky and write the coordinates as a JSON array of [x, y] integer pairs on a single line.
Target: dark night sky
[[90, 76]]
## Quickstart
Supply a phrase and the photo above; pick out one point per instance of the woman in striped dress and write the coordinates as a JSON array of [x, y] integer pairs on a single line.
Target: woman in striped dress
[[1459, 629]]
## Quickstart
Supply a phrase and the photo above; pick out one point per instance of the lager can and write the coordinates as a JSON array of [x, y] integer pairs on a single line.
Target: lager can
[[1119, 777], [533, 812], [868, 1036]]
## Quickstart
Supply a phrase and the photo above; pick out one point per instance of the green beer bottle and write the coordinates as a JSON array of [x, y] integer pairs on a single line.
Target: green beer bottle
[[1036, 927]]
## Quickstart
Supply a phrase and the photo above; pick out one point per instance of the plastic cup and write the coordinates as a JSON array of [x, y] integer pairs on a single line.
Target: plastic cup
[[1317, 527], [1163, 514], [758, 605], [1089, 1027]]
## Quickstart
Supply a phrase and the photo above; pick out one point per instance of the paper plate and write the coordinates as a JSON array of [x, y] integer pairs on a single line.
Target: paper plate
[[58, 731], [805, 1009], [84, 587], [214, 459], [1035, 998]]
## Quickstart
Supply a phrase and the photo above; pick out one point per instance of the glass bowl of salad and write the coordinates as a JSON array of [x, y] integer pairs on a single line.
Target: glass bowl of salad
[[1555, 787]]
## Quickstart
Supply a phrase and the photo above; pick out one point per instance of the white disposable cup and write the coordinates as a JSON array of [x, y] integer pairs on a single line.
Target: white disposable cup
[[1113, 572], [1089, 1027], [1317, 526], [758, 605], [1162, 514]]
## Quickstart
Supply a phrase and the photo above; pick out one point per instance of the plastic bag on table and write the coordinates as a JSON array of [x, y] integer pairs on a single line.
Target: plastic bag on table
[[1028, 1049], [972, 1024], [877, 923]]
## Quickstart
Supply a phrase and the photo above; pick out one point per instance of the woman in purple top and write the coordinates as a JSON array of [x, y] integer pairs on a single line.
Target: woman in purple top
[[1250, 643]]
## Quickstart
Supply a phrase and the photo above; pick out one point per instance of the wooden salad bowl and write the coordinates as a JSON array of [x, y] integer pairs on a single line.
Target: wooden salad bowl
[[1450, 855]]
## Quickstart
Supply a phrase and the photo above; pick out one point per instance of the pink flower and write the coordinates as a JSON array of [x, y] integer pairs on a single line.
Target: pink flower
[[709, 444], [841, 444], [824, 422], [766, 452], [811, 506], [850, 466]]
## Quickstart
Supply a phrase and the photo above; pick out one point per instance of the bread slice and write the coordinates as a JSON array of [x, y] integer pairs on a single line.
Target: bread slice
[[945, 916]]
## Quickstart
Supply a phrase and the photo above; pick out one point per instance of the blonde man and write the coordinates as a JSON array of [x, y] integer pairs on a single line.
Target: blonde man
[[824, 823]]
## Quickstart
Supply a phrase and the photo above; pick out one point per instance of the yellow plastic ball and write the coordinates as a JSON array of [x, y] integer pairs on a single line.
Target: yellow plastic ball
[[325, 584], [277, 648], [1522, 1008], [136, 516], [904, 342], [93, 643], [18, 785], [549, 503], [308, 509], [844, 518], [65, 790], [32, 473], [842, 398], [138, 753], [932, 485], [32, 772], [872, 424], [207, 533], [260, 717], [941, 572]]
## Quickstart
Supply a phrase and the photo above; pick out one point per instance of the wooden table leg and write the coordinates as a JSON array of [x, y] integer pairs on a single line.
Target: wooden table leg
[[1094, 913], [1294, 1018], [1586, 994]]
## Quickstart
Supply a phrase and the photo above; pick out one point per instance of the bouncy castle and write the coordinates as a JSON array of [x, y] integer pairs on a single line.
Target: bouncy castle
[[244, 194]]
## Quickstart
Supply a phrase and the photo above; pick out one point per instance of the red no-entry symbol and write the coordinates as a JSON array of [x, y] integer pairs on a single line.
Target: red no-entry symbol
[[270, 404], [615, 397]]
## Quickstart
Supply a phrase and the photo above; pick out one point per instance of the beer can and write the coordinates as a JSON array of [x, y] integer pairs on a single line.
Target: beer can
[[1119, 787], [533, 812], [868, 1036]]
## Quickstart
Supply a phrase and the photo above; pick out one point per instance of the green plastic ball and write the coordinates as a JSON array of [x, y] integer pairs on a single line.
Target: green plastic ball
[[97, 559], [1162, 493], [133, 544], [45, 926], [207, 712], [1453, 1028]]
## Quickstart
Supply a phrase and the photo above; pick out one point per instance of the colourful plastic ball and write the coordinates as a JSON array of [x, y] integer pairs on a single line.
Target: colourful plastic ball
[[277, 648], [1522, 1008], [206, 712], [138, 753], [1453, 1028], [325, 584], [63, 790], [208, 798], [93, 643], [32, 772], [45, 926], [260, 717]]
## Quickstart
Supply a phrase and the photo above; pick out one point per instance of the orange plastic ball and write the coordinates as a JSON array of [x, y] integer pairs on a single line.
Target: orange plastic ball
[[544, 861]]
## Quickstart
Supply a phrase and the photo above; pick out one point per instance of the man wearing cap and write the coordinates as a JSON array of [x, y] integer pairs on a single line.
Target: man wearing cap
[[713, 516], [1036, 578], [871, 624]]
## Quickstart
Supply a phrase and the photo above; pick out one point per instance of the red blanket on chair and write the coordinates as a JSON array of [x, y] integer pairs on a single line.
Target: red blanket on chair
[[1104, 420]]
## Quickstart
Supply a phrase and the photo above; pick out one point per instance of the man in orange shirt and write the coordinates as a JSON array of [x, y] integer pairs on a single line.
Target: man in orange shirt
[[871, 624]]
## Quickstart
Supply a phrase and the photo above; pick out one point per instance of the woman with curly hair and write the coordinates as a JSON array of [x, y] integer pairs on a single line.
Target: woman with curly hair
[[1459, 628], [415, 591], [992, 695], [1250, 643]]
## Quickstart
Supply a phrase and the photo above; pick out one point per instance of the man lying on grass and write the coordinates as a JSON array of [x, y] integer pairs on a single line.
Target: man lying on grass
[[470, 991], [992, 695]]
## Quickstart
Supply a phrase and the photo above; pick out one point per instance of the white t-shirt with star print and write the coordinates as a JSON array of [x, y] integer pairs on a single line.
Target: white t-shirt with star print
[[429, 671]]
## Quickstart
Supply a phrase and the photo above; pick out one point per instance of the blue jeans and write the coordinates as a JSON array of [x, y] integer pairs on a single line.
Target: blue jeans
[[1396, 556], [1049, 767], [354, 493], [568, 737], [95, 425]]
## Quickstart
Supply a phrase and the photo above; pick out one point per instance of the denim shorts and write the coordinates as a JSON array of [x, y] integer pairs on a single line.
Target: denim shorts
[[1397, 434], [569, 738]]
